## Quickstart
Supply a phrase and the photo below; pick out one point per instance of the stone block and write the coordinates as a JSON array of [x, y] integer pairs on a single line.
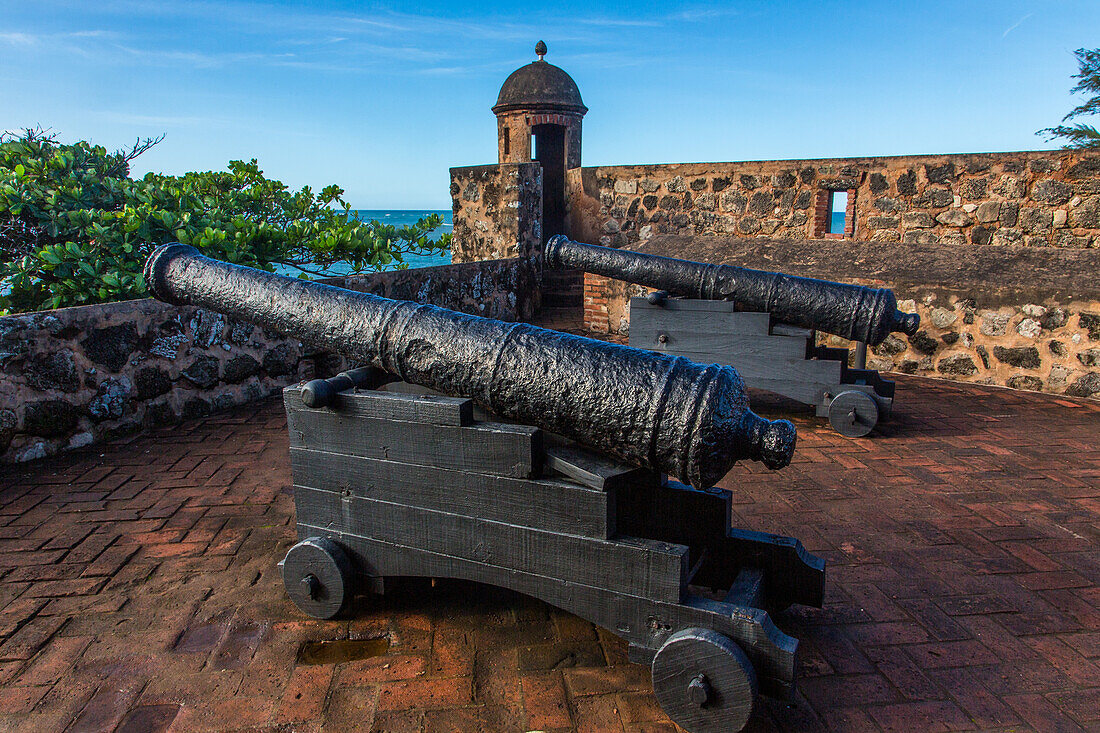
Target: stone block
[[1091, 323], [111, 400], [1054, 318], [920, 236], [959, 365], [907, 183], [944, 173], [974, 188], [917, 220], [943, 317], [626, 187], [54, 370], [1086, 215], [1007, 235], [202, 372], [1010, 187], [994, 324], [935, 198], [922, 342], [150, 382], [1029, 328], [954, 218], [761, 204], [1025, 381], [240, 368], [988, 212], [111, 346], [50, 418], [1085, 386], [1050, 191], [1034, 220], [1022, 357]]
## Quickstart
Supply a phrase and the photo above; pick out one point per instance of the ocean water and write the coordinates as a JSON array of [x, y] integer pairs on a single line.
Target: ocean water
[[406, 217], [837, 224], [397, 218]]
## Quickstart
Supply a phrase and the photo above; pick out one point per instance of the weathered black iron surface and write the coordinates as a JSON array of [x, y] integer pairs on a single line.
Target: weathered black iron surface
[[646, 408], [852, 311]]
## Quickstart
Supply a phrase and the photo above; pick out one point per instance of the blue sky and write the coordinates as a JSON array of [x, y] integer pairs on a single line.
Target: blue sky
[[383, 98]]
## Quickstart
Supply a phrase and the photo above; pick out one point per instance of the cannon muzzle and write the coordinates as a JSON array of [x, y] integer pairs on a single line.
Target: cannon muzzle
[[655, 410], [852, 311]]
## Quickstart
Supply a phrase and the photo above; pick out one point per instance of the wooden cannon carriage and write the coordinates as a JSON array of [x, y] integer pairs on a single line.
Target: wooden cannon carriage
[[400, 481], [768, 355]]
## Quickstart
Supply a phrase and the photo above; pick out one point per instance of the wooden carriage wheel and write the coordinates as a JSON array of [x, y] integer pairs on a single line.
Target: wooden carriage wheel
[[704, 682]]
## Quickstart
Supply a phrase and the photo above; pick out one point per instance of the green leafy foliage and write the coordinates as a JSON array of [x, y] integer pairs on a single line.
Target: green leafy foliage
[[75, 228], [1079, 135]]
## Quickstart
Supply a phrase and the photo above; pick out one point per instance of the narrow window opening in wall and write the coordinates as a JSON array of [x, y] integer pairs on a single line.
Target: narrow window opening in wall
[[507, 141], [838, 210]]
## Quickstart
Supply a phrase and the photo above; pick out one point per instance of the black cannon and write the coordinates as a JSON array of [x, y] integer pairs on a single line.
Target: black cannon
[[852, 311], [761, 323], [529, 459]]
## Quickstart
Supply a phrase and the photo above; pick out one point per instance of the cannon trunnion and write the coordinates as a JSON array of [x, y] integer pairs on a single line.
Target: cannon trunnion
[[396, 480]]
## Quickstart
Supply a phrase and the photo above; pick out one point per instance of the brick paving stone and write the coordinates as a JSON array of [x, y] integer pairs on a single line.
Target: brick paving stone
[[138, 590]]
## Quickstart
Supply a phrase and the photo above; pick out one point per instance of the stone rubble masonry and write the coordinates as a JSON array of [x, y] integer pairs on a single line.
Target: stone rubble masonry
[[497, 211], [1041, 198], [76, 376]]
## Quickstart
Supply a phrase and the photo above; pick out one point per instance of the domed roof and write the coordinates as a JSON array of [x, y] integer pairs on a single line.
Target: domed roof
[[539, 86]]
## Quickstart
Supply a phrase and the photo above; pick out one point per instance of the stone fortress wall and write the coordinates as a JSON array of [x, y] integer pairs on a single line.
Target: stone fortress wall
[[960, 230], [497, 211], [77, 376]]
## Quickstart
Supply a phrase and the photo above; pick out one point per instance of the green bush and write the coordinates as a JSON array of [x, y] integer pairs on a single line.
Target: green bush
[[76, 229]]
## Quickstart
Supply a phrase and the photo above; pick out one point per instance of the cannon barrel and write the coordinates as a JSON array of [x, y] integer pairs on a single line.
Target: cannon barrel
[[656, 410], [852, 311]]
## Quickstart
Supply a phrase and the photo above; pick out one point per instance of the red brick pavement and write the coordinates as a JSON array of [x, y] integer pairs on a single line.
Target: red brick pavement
[[139, 590]]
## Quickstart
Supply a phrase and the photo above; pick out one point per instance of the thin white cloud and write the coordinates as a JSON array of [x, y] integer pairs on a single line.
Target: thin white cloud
[[1015, 25], [19, 39]]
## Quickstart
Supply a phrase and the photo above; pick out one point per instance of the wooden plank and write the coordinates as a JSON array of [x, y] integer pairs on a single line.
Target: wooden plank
[[554, 506], [700, 519], [773, 653], [491, 448], [747, 589], [644, 567], [761, 348], [785, 329], [695, 305], [724, 320], [431, 409], [812, 371], [592, 469]]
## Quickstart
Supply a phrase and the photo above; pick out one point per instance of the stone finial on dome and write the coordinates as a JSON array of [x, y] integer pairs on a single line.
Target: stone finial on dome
[[540, 49]]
